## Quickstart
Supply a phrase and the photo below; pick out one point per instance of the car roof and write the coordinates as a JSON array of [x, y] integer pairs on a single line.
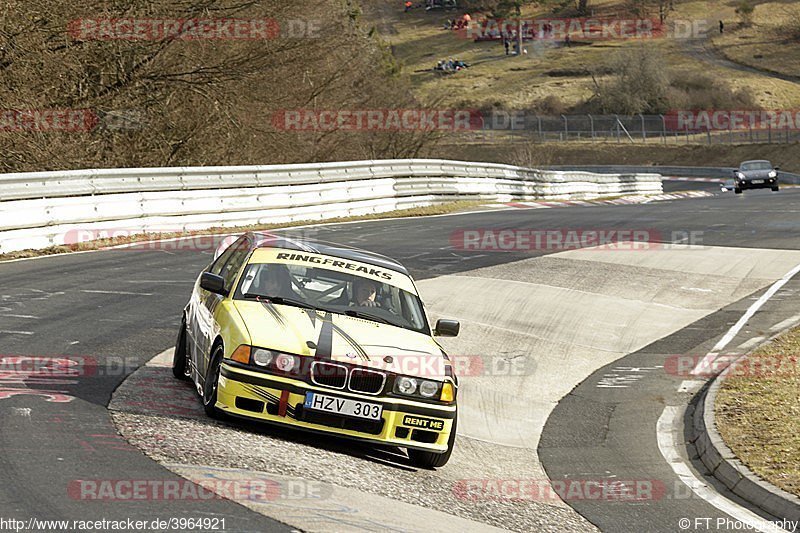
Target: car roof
[[271, 240], [755, 161]]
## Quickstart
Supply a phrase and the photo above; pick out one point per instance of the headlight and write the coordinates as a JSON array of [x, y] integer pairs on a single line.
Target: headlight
[[285, 362], [405, 385], [428, 389], [262, 357], [740, 175], [773, 174]]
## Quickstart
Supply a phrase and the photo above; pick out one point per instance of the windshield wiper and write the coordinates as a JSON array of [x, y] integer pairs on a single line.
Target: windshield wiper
[[280, 300], [368, 316]]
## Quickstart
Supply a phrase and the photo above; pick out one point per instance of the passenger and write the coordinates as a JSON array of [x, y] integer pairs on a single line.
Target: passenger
[[365, 292]]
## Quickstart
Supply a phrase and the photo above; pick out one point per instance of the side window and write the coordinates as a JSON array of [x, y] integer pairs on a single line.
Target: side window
[[232, 267], [216, 268]]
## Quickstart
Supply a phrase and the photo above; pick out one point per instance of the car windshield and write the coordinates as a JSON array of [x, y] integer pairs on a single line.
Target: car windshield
[[333, 291], [757, 165]]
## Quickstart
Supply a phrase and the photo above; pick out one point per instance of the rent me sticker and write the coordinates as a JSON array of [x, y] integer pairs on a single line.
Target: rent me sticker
[[424, 423]]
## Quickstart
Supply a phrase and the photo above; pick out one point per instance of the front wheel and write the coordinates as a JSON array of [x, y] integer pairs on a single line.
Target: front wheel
[[737, 190], [430, 460], [181, 368], [211, 385], [775, 188]]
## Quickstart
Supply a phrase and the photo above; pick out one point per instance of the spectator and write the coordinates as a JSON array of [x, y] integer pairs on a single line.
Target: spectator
[[408, 5], [721, 26]]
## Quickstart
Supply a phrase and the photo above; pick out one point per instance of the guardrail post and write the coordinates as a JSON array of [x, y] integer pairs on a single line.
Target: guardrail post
[[618, 124], [541, 135], [566, 128], [591, 125], [769, 132], [663, 129]]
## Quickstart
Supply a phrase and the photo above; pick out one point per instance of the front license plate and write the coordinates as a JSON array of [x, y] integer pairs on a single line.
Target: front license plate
[[343, 406], [758, 181]]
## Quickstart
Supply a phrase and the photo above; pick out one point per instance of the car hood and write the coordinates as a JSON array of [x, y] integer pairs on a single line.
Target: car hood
[[755, 174], [342, 338]]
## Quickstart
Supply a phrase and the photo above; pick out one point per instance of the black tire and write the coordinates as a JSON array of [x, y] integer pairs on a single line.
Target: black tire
[[431, 460], [737, 190], [211, 383], [181, 368], [775, 188]]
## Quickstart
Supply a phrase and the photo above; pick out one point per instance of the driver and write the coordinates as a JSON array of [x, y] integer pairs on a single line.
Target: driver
[[365, 292], [275, 280]]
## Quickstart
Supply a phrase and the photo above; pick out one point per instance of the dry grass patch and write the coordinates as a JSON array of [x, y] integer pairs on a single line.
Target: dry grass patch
[[771, 43], [758, 411]]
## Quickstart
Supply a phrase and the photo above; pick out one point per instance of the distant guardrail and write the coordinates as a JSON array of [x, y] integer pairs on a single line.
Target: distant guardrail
[[671, 171], [41, 209]]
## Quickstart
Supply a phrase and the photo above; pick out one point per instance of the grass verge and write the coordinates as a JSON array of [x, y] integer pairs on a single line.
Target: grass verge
[[758, 411], [440, 209]]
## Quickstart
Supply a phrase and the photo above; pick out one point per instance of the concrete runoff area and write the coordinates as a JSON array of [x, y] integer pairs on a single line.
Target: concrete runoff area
[[565, 314], [571, 313]]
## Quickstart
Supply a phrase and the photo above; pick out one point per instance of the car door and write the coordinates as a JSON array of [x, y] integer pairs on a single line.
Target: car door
[[205, 328]]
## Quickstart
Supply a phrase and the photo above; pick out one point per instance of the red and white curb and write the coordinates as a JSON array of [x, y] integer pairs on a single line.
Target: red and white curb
[[627, 200], [701, 180]]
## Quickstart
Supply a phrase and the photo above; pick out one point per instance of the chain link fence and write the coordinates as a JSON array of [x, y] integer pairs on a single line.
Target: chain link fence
[[629, 129]]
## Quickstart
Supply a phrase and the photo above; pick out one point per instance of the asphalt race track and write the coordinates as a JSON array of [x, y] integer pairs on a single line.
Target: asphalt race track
[[593, 327]]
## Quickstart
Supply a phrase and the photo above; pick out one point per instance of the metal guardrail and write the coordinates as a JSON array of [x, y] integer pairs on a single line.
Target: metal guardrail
[[42, 209], [721, 173]]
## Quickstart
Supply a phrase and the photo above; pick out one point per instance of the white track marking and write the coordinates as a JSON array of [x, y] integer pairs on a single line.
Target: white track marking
[[728, 337], [124, 293], [665, 427], [785, 324], [15, 332]]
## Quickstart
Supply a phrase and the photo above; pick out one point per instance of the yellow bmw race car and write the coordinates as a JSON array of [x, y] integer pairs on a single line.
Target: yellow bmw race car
[[322, 338]]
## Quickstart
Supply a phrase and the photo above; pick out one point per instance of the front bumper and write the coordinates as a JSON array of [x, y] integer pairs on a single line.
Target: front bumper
[[277, 399], [766, 183]]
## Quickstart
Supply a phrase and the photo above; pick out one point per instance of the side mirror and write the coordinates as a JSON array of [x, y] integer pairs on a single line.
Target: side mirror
[[213, 283], [776, 168], [447, 328]]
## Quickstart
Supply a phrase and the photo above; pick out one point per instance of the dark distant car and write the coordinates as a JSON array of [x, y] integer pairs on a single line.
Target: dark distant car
[[758, 174]]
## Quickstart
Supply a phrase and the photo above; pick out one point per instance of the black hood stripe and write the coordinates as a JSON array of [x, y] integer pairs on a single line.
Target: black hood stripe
[[274, 313], [312, 316], [325, 341], [352, 342]]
